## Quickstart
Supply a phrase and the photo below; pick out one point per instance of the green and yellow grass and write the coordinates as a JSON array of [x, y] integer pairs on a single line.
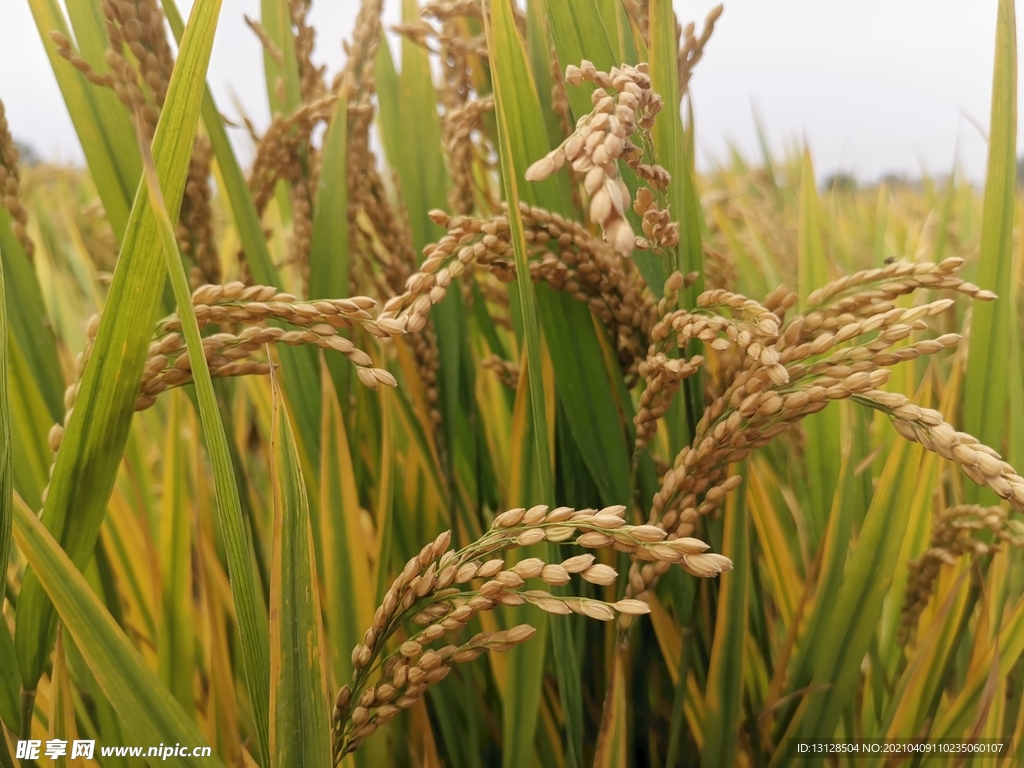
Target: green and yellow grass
[[520, 443]]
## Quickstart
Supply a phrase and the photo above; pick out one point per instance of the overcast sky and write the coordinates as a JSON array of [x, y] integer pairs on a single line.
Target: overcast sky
[[874, 86]]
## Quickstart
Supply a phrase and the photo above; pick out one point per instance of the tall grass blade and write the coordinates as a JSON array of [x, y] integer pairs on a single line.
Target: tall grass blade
[[10, 680], [6, 449], [280, 66], [723, 697], [669, 138], [253, 632], [176, 640], [504, 44], [578, 32], [91, 37], [96, 434], [823, 447], [301, 369], [985, 386], [612, 736], [345, 570], [27, 322], [147, 711], [866, 578], [300, 731]]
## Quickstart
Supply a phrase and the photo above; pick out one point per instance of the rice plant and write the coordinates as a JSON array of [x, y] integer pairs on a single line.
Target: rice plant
[[471, 426]]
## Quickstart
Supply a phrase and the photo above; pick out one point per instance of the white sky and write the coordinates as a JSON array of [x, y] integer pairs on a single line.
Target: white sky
[[875, 86]]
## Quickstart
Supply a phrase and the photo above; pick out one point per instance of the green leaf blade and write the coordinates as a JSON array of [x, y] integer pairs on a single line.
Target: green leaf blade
[[985, 385], [147, 711], [97, 432], [299, 726]]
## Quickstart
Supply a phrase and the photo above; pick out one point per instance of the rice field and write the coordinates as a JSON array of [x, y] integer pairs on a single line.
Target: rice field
[[508, 440]]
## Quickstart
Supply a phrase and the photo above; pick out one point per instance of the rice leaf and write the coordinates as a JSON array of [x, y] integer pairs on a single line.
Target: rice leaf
[[582, 379], [252, 631], [612, 736], [62, 706], [27, 322], [282, 74], [619, 31], [1004, 653], [176, 641], [669, 136], [300, 364], [503, 40], [985, 386], [420, 164], [300, 731], [6, 448], [328, 256], [578, 32], [538, 46], [522, 697], [345, 569], [147, 711], [328, 252], [866, 578], [10, 680], [96, 433], [723, 695], [822, 429]]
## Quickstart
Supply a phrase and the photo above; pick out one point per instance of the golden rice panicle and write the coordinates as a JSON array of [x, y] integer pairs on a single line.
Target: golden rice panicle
[[10, 185], [442, 590], [956, 531], [311, 77], [691, 48], [241, 354], [753, 331], [278, 155], [793, 372], [926, 426], [140, 61], [561, 252], [601, 138]]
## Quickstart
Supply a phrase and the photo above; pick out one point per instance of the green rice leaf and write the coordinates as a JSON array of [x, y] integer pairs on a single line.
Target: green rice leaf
[[508, 63], [669, 139], [253, 632], [95, 436], [866, 579], [300, 731], [10, 680], [723, 697], [822, 429], [176, 640], [578, 32], [28, 325], [985, 386], [328, 256], [6, 449], [345, 568], [147, 711], [301, 369], [282, 75], [328, 253]]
